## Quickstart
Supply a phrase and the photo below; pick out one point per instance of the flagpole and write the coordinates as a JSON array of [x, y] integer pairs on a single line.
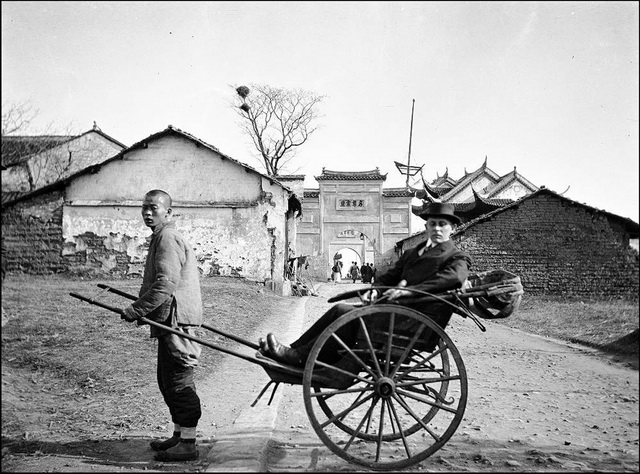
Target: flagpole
[[410, 135]]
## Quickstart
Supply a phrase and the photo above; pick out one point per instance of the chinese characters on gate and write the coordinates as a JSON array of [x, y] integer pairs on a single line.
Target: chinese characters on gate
[[350, 203]]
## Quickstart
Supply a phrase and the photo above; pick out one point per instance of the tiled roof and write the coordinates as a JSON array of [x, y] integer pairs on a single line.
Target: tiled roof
[[489, 201], [629, 225], [397, 192], [351, 175], [289, 177], [468, 178], [504, 181], [437, 191], [311, 193], [17, 149], [440, 180]]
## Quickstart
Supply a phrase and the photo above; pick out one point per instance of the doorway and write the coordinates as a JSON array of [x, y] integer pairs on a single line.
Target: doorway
[[347, 256]]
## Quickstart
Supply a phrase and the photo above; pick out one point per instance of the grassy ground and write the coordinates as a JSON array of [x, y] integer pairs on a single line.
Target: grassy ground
[[59, 354], [611, 326]]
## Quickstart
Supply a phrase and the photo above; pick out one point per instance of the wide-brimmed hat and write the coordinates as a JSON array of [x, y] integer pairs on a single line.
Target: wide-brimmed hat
[[439, 209]]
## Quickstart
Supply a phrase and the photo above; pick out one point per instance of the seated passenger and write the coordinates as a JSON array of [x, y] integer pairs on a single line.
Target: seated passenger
[[434, 266]]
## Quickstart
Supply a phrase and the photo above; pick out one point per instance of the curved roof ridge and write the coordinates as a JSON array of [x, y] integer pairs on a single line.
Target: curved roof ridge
[[509, 178], [351, 175]]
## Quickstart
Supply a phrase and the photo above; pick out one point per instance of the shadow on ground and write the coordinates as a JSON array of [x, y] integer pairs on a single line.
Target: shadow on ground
[[133, 454]]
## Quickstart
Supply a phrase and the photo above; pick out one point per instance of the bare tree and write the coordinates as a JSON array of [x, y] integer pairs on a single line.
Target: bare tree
[[17, 117], [43, 157], [278, 121]]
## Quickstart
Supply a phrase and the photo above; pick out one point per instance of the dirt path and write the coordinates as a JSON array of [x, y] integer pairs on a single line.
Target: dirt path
[[535, 404]]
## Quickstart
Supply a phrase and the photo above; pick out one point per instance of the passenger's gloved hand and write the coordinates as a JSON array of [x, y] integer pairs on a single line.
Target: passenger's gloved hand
[[127, 316]]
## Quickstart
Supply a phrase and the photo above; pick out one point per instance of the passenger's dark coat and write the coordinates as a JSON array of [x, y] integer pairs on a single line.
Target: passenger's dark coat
[[440, 268]]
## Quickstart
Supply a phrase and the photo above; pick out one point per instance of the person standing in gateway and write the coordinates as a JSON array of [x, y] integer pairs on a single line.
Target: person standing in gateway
[[170, 294]]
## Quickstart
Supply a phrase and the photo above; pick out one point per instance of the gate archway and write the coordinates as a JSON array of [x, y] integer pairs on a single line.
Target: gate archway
[[347, 255]]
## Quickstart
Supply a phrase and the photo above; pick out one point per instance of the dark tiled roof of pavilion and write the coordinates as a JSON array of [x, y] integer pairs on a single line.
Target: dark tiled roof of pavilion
[[373, 175], [443, 181], [467, 210], [494, 202], [425, 193], [437, 191]]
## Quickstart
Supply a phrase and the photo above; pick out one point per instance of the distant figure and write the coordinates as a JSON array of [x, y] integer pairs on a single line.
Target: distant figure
[[336, 276], [353, 271], [365, 271]]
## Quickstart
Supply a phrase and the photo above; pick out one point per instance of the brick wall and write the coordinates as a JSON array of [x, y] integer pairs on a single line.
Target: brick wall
[[556, 247], [32, 234]]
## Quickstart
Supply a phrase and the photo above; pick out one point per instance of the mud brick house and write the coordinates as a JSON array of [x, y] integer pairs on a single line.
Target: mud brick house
[[32, 162], [240, 221], [557, 246]]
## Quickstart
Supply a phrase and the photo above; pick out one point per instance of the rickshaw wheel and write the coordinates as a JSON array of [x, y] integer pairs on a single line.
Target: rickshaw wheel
[[392, 399], [439, 365]]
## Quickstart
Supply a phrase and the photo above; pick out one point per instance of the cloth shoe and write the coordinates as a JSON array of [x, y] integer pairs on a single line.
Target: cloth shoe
[[183, 451], [283, 353], [159, 445]]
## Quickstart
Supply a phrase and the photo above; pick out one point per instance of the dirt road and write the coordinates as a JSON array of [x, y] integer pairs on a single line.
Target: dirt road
[[535, 404]]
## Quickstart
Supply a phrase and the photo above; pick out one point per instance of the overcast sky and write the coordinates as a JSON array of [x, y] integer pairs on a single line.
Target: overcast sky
[[550, 88]]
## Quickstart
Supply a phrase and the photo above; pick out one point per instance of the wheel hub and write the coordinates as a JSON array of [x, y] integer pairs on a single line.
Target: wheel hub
[[385, 387]]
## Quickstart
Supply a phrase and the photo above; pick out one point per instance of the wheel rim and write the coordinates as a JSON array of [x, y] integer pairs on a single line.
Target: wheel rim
[[391, 403]]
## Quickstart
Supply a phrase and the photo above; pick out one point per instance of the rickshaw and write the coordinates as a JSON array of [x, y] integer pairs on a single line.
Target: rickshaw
[[399, 393]]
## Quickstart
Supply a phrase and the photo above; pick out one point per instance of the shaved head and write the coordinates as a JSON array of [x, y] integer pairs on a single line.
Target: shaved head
[[162, 195]]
